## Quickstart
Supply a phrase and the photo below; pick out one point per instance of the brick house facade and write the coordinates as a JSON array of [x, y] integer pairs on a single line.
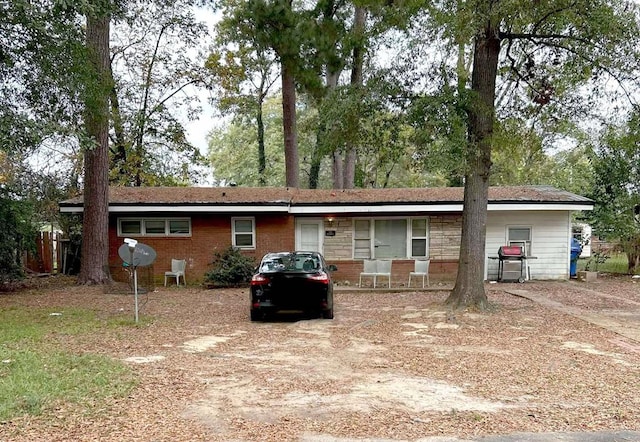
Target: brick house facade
[[345, 225]]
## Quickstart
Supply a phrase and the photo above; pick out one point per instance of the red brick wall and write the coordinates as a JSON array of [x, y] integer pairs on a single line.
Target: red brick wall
[[211, 233]]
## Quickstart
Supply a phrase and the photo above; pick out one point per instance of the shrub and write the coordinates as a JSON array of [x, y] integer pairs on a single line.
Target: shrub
[[597, 257], [17, 234], [230, 268]]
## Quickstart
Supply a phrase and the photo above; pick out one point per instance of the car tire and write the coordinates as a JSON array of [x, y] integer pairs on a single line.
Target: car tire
[[328, 313], [256, 315]]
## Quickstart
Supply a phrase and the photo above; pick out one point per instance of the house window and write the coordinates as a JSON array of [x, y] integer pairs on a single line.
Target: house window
[[390, 238], [179, 227], [154, 226], [361, 239], [243, 233], [130, 226], [419, 237], [520, 236]]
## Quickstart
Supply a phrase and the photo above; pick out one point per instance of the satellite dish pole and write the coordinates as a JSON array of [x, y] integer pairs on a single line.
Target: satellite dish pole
[[131, 243], [135, 254]]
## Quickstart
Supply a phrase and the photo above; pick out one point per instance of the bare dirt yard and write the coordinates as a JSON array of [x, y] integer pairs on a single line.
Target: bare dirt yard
[[390, 366]]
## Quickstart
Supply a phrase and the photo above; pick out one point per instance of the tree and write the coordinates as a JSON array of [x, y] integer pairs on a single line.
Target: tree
[[385, 144], [345, 158], [519, 158], [326, 59], [16, 223], [315, 43], [42, 69], [41, 44], [242, 77], [586, 37], [616, 189], [277, 27], [156, 70], [306, 41], [241, 166], [343, 37], [95, 222], [53, 93], [469, 287]]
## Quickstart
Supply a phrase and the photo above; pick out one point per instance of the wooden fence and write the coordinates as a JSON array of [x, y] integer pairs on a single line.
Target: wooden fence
[[48, 254]]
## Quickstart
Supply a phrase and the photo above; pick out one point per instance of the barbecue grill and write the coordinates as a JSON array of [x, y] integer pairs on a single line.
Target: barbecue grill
[[512, 264]]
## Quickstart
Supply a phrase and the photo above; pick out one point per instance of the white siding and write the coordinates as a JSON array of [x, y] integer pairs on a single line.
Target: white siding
[[550, 239]]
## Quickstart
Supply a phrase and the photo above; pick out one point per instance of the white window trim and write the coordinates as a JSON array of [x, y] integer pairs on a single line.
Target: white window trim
[[156, 235], [369, 237], [528, 244], [409, 235], [253, 232]]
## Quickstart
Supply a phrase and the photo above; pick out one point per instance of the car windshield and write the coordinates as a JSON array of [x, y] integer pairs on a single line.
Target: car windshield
[[290, 262]]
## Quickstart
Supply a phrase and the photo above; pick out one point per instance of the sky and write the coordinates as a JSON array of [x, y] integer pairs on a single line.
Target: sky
[[197, 130]]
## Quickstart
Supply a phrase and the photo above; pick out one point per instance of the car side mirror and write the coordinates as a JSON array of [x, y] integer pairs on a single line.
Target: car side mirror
[[332, 268]]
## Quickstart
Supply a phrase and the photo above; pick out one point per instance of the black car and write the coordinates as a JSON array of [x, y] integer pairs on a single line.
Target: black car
[[292, 281]]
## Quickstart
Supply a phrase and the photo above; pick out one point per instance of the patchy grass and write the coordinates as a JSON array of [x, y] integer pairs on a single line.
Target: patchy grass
[[616, 263], [37, 374]]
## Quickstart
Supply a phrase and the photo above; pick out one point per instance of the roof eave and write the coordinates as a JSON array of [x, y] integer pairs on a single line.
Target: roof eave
[[300, 209]]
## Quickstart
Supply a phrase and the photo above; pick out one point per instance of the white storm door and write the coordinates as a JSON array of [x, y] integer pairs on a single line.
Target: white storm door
[[309, 234]]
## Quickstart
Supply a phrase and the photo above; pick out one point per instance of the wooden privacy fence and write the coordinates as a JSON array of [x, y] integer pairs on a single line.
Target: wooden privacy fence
[[48, 254]]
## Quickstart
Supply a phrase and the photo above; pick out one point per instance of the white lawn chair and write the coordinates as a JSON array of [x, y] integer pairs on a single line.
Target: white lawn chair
[[178, 267], [421, 268], [384, 269], [369, 270]]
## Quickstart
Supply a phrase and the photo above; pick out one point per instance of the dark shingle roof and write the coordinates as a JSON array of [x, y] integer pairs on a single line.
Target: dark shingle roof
[[172, 196]]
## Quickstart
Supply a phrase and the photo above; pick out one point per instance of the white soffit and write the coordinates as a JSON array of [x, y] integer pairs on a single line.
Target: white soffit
[[391, 208], [434, 208], [355, 209], [540, 206], [184, 209]]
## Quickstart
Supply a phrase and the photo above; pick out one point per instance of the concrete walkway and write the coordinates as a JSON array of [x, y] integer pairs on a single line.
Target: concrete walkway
[[625, 323]]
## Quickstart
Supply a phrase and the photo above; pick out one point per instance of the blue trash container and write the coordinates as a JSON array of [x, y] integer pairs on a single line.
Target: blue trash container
[[576, 250]]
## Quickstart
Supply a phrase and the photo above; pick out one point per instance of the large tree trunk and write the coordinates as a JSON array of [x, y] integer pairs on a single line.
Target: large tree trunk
[[262, 158], [316, 158], [289, 125], [119, 150], [320, 150], [632, 249], [95, 224], [338, 176], [350, 154], [469, 288]]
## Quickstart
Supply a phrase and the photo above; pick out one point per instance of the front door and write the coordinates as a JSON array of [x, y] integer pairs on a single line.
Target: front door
[[309, 234]]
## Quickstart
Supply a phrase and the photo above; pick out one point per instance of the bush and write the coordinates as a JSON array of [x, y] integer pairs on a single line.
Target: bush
[[230, 268], [17, 235]]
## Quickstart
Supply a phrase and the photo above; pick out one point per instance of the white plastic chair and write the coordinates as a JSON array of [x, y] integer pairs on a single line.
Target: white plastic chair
[[369, 270], [421, 268], [384, 269], [178, 267]]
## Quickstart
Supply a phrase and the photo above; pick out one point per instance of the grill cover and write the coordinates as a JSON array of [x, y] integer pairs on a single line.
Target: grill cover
[[510, 252]]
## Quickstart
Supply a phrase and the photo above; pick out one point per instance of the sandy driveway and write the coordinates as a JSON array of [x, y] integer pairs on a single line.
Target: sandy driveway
[[389, 367], [374, 360]]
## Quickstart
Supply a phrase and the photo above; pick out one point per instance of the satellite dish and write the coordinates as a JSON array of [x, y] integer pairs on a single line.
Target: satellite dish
[[143, 255]]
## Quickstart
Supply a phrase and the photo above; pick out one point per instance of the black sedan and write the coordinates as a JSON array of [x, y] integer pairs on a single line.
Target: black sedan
[[298, 281]]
